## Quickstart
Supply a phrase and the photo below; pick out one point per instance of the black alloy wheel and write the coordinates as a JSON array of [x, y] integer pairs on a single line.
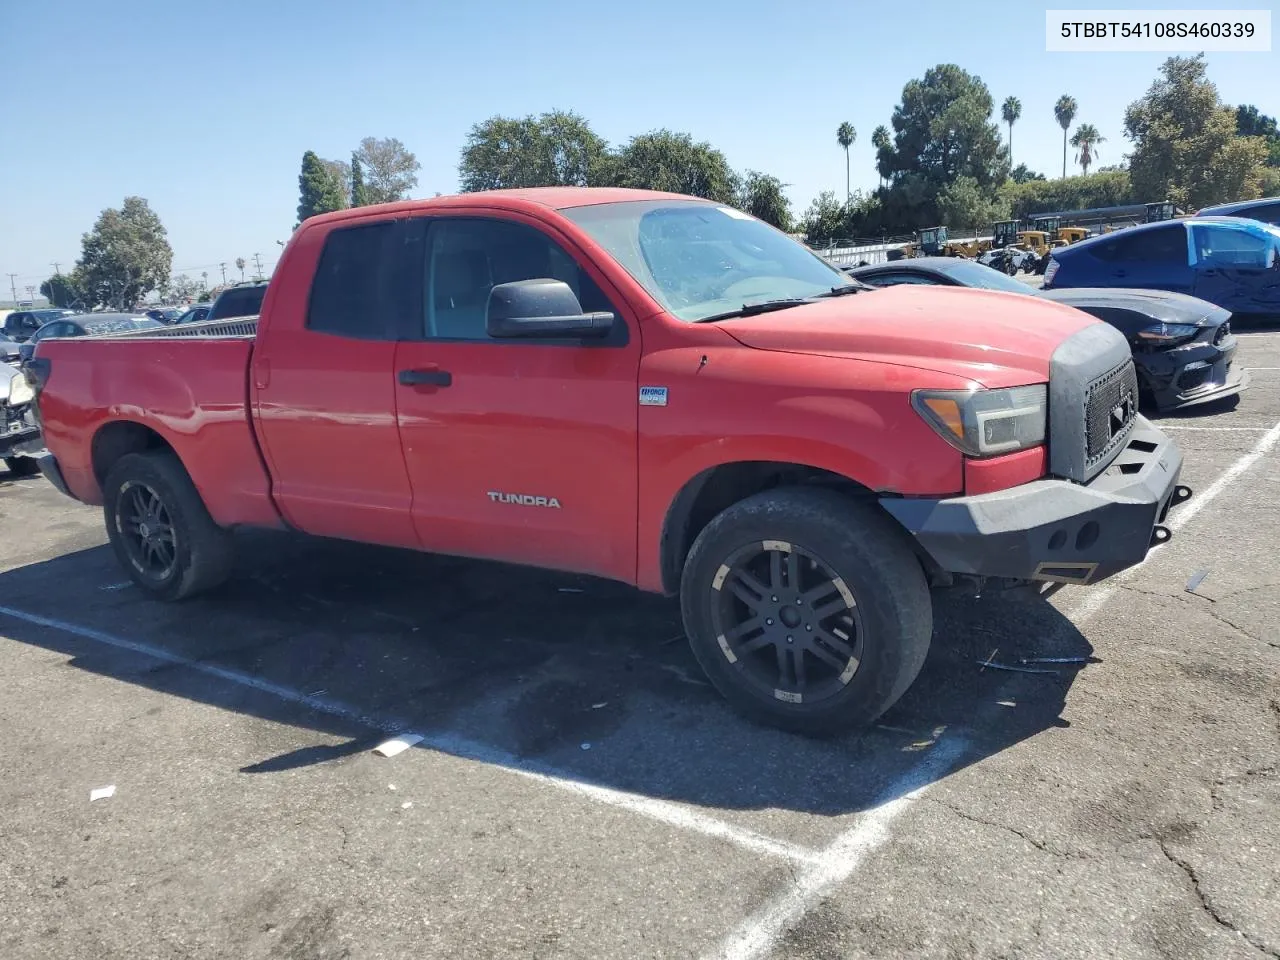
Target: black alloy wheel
[[146, 530]]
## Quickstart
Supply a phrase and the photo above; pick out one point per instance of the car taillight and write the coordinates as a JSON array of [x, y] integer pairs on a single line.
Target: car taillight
[[1050, 271]]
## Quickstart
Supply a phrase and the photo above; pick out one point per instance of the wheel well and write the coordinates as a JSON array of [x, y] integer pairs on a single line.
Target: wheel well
[[117, 439], [718, 488]]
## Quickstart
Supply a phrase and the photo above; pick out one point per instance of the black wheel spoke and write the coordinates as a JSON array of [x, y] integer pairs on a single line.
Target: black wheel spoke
[[740, 587], [827, 657], [793, 570], [830, 608], [775, 570], [820, 592], [797, 668], [752, 645], [833, 642], [745, 627]]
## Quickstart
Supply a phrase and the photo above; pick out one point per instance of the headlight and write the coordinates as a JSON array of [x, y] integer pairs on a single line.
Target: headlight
[[1168, 332], [983, 423], [20, 391]]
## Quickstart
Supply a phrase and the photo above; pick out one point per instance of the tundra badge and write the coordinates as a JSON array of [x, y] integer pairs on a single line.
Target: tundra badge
[[524, 499]]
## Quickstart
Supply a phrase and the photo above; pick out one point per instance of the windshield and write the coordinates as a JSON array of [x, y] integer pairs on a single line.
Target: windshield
[[699, 259], [969, 273]]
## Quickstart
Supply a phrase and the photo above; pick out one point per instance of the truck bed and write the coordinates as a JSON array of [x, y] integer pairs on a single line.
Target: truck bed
[[184, 386]]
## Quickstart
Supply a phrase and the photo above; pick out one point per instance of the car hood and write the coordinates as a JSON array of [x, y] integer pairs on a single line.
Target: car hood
[[996, 339], [1156, 304]]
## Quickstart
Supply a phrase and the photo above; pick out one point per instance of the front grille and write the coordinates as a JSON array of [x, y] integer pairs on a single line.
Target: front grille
[[1194, 377], [1111, 406], [1224, 331]]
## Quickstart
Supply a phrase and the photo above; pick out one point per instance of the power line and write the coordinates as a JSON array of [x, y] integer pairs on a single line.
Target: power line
[[13, 288]]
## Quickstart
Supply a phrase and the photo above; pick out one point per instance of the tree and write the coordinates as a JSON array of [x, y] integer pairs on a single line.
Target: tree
[[125, 256], [762, 196], [240, 267], [1021, 174], [963, 204], [1010, 113], [662, 160], [558, 148], [340, 172], [824, 219], [845, 135], [1251, 123], [1101, 189], [64, 290], [1185, 144], [390, 170], [1086, 140], [359, 195], [184, 287], [318, 191], [1064, 111], [942, 131], [880, 140]]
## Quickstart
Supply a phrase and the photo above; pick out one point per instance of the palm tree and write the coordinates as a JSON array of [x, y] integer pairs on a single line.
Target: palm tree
[[204, 275], [240, 267], [880, 140], [845, 135], [1010, 112], [1065, 111], [1086, 140]]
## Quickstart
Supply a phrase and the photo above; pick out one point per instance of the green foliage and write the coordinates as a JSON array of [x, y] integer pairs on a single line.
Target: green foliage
[[184, 288], [340, 172], [825, 219], [389, 170], [558, 148], [1102, 189], [125, 256], [1251, 123], [1086, 140], [1064, 111], [663, 160], [1021, 174], [64, 290], [942, 132], [1010, 113], [963, 204], [318, 190], [1185, 143], [763, 197], [845, 135], [359, 194]]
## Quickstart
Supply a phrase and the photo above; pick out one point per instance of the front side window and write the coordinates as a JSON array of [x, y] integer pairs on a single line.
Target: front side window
[[1222, 246], [1161, 245], [468, 257], [347, 291], [700, 260]]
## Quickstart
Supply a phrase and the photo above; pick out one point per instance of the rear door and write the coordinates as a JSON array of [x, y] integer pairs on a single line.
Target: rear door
[[1155, 259], [323, 389], [1235, 267], [522, 451]]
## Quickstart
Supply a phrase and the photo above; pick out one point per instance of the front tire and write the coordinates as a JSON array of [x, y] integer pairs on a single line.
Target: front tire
[[807, 610], [22, 466], [160, 530]]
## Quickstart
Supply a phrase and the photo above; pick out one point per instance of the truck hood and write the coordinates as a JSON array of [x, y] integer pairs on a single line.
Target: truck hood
[[995, 339]]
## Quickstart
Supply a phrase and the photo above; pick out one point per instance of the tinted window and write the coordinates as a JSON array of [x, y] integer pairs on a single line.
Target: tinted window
[[61, 329], [1162, 245], [893, 279], [238, 302], [347, 295], [1267, 213], [468, 258], [1223, 246]]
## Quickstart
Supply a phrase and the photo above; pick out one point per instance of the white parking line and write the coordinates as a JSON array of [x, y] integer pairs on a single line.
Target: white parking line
[[664, 811], [1098, 596], [758, 933], [1179, 426]]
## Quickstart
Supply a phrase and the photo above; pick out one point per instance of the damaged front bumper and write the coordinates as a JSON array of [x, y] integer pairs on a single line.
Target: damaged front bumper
[[19, 432], [1055, 530], [1192, 374]]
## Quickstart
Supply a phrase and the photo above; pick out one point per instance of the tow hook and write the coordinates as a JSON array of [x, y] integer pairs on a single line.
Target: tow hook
[[1181, 494], [1160, 534]]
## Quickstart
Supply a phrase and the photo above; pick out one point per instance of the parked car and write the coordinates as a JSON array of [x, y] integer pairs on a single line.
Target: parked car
[[1183, 347], [21, 324], [165, 314], [1266, 209], [1232, 262], [19, 430], [641, 386], [194, 315], [89, 324], [238, 300]]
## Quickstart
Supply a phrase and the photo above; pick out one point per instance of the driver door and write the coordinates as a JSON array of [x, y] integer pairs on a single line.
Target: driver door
[[1236, 268], [517, 450]]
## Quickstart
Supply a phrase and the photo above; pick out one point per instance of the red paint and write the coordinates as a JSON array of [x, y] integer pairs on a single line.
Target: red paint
[[1001, 473], [347, 451]]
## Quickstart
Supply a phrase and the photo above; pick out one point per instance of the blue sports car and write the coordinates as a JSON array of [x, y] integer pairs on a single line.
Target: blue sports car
[[1230, 261]]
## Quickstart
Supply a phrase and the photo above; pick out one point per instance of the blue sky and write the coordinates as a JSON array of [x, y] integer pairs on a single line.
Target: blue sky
[[205, 109]]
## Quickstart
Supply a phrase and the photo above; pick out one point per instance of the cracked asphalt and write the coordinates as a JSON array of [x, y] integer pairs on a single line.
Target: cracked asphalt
[[581, 792]]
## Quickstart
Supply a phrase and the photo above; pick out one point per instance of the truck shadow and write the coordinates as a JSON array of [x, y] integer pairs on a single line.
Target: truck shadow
[[535, 670]]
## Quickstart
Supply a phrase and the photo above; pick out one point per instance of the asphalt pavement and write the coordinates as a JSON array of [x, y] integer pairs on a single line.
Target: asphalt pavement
[[580, 792]]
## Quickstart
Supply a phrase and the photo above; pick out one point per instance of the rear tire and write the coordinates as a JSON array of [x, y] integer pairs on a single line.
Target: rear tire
[[841, 628], [22, 466], [160, 530]]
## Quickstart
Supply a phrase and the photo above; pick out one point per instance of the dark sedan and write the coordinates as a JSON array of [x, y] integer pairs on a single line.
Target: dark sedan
[[1182, 346]]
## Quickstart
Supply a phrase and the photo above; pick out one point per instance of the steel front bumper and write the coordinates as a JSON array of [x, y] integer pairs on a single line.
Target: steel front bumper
[[1055, 530]]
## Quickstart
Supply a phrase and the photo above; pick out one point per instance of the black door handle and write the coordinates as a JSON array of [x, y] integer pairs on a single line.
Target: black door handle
[[425, 378]]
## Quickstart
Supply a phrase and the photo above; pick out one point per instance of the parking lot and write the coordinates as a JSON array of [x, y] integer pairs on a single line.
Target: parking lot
[[580, 791]]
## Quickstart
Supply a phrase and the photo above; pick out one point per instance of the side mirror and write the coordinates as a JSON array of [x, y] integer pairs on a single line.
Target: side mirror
[[544, 309]]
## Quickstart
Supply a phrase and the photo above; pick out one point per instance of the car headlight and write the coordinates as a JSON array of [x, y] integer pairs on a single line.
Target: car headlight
[[20, 391], [983, 423], [1167, 332]]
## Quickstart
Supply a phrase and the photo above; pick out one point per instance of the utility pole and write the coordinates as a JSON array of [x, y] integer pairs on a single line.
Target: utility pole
[[57, 271], [14, 289], [223, 265], [257, 262], [31, 294]]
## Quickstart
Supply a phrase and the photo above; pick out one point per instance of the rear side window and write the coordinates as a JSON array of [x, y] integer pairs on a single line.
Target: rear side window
[[1162, 245], [1267, 213], [347, 294], [1223, 246]]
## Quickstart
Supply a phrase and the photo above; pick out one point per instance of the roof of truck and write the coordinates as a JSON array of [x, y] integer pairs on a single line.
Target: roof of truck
[[557, 198]]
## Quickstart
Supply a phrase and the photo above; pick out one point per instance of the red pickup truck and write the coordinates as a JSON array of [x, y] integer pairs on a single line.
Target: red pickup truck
[[641, 386]]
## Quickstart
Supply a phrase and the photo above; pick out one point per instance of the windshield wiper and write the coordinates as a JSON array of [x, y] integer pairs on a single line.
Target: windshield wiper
[[751, 309], [857, 286]]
